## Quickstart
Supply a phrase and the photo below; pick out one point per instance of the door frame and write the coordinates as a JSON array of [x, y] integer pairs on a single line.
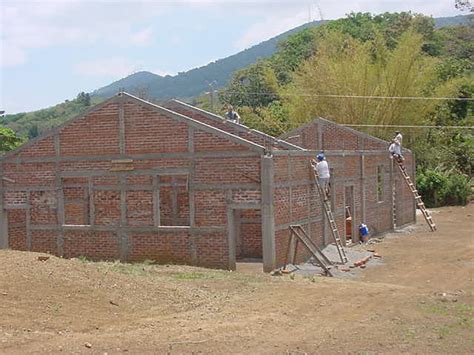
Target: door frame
[[233, 228]]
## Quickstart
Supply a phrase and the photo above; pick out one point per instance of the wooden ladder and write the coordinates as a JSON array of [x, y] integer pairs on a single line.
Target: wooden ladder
[[301, 236], [419, 202], [329, 216]]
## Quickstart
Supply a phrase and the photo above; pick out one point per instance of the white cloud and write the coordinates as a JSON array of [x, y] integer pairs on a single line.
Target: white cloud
[[42, 24], [114, 67], [142, 37]]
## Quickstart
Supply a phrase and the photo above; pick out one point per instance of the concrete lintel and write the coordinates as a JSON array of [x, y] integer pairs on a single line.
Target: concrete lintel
[[245, 206], [147, 156], [22, 206], [224, 186], [129, 229], [158, 171]]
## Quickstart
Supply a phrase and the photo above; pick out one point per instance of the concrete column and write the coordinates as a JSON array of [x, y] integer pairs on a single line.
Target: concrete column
[[29, 242], [59, 195], [268, 216], [156, 201], [192, 167], [121, 127], [3, 215], [320, 137], [122, 234], [392, 196], [362, 189]]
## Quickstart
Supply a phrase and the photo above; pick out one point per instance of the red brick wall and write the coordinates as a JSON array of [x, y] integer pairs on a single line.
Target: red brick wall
[[250, 234], [17, 229], [295, 202], [291, 203], [94, 245], [80, 160], [220, 124]]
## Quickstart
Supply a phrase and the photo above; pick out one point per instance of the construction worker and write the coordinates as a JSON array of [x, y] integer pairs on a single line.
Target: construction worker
[[232, 115], [395, 149], [399, 138], [322, 170]]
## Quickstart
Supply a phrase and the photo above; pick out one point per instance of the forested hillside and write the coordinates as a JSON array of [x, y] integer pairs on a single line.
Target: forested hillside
[[318, 71], [286, 51], [31, 124]]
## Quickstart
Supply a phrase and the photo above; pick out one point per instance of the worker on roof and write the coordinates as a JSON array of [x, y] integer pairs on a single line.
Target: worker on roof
[[399, 137], [322, 171], [395, 149], [232, 115]]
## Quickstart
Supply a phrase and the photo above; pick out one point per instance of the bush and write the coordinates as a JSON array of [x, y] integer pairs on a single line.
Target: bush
[[432, 185], [458, 190], [439, 188]]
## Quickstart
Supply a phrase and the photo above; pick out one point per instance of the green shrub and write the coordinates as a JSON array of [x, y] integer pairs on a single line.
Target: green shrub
[[458, 190], [432, 185], [440, 188]]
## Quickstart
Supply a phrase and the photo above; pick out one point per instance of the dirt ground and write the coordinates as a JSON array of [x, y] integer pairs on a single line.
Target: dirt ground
[[419, 300]]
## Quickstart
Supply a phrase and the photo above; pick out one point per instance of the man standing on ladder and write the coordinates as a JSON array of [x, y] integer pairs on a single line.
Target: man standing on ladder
[[322, 170], [399, 138]]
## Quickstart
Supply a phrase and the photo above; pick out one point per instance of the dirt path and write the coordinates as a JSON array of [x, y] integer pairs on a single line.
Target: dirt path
[[419, 301]]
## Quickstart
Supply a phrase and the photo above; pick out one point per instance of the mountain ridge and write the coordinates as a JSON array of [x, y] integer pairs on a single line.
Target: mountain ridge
[[196, 81]]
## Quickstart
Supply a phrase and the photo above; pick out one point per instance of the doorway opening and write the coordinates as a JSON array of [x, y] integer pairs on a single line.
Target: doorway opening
[[349, 210], [248, 235]]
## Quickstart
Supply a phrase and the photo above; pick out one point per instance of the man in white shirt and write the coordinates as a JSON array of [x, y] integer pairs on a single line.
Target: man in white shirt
[[396, 150], [232, 115], [399, 138], [322, 170]]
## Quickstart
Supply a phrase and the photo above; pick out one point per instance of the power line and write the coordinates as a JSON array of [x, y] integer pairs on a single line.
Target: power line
[[355, 96], [404, 126]]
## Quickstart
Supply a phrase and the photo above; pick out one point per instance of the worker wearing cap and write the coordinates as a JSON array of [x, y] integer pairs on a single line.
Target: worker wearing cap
[[322, 170]]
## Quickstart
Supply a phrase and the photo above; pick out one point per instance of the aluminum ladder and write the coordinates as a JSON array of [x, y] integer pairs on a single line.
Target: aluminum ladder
[[330, 216], [419, 202]]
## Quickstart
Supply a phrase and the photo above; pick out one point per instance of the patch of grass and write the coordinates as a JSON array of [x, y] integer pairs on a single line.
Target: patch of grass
[[83, 259], [458, 316], [448, 309], [195, 276]]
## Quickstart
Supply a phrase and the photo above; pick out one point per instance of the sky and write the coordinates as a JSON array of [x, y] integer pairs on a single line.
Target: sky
[[52, 50]]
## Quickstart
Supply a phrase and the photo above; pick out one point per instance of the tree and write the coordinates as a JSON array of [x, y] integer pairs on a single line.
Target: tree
[[254, 87], [8, 139], [33, 131], [84, 99], [464, 5], [345, 66]]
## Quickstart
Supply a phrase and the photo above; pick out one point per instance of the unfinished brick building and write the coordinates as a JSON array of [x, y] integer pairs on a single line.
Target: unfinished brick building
[[131, 180]]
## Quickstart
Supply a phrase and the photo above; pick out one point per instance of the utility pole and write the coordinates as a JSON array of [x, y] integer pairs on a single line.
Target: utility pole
[[211, 93]]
